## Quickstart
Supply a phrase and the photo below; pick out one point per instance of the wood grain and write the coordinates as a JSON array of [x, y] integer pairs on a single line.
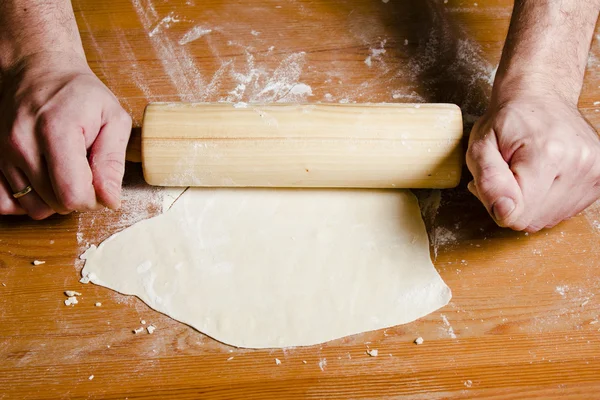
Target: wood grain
[[520, 324]]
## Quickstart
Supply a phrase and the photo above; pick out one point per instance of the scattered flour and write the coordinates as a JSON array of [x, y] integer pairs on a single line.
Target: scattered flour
[[164, 23], [442, 237], [194, 34], [562, 290], [136, 73], [450, 330], [322, 363], [178, 64], [257, 85]]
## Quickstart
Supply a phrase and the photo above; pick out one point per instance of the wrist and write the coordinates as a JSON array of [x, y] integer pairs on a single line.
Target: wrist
[[530, 82], [14, 55], [31, 27]]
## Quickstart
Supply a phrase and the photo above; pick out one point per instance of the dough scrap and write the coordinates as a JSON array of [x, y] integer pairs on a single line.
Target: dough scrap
[[262, 268]]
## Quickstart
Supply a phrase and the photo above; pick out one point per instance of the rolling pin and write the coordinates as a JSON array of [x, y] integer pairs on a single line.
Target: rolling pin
[[301, 145]]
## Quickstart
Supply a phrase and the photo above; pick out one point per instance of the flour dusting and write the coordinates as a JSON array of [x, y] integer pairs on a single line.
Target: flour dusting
[[177, 62], [136, 73], [449, 329], [193, 34], [322, 363], [255, 84], [166, 22], [562, 290]]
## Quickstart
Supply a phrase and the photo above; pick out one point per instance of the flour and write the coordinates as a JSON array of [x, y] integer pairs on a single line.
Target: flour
[[166, 22], [256, 85], [375, 54], [446, 55], [177, 62], [562, 290], [592, 214], [138, 202], [194, 34], [449, 329], [137, 74], [322, 363], [442, 237]]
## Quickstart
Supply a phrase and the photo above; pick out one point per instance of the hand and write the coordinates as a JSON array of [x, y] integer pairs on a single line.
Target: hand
[[535, 161], [64, 133]]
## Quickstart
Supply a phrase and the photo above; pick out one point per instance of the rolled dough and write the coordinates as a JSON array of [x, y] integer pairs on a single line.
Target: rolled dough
[[264, 268]]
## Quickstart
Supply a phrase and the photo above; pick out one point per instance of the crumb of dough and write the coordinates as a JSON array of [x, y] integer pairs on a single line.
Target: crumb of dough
[[98, 304], [419, 340], [138, 330], [468, 383], [71, 301], [303, 361], [91, 377], [71, 293], [373, 353], [151, 329], [38, 262], [277, 361], [143, 322], [322, 364], [230, 358], [593, 322], [3, 284]]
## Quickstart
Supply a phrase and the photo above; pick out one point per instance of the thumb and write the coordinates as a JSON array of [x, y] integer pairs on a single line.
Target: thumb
[[494, 183], [107, 159]]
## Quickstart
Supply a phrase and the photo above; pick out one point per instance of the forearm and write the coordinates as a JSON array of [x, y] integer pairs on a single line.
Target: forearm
[[31, 26], [546, 49]]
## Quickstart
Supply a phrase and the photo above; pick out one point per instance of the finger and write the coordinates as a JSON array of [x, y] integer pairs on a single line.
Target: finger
[[66, 158], [535, 178], [495, 183], [107, 158], [36, 173], [8, 205], [31, 202], [554, 206]]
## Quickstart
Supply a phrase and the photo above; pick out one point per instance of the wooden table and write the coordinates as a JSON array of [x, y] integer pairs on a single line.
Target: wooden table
[[521, 323]]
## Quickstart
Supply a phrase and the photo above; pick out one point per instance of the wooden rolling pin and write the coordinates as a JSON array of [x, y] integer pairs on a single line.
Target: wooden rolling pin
[[316, 145]]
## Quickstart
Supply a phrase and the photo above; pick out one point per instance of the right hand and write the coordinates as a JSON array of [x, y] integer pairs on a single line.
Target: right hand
[[535, 160], [64, 133]]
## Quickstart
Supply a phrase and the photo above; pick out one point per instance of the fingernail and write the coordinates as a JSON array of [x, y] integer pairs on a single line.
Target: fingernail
[[503, 207], [471, 187]]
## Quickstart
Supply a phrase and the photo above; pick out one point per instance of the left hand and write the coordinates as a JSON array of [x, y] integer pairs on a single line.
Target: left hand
[[535, 161]]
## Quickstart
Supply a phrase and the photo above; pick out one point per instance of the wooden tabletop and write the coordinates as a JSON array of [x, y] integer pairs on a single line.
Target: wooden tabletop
[[521, 324]]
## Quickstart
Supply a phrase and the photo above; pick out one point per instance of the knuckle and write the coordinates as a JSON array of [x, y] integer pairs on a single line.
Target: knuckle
[[16, 143], [124, 117], [475, 149], [489, 181], [554, 151], [72, 199], [113, 161], [48, 124]]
